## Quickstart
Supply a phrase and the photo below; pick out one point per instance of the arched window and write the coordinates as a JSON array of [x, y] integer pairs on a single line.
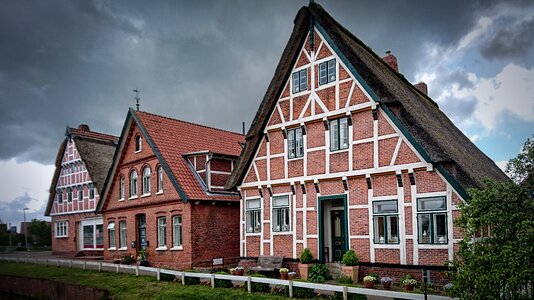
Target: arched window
[[133, 183], [160, 179], [146, 180], [121, 188], [137, 143]]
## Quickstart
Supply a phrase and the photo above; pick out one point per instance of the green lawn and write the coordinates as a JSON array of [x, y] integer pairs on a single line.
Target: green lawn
[[124, 286]]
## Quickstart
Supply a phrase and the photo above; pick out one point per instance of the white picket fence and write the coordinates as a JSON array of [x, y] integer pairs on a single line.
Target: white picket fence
[[150, 271]]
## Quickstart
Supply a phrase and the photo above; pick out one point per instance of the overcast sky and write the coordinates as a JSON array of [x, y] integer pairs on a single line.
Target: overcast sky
[[63, 63]]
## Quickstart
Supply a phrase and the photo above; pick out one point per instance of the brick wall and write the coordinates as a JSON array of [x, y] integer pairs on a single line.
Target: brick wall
[[68, 245]]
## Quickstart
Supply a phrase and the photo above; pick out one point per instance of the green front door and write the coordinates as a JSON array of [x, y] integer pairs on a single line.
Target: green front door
[[338, 234]]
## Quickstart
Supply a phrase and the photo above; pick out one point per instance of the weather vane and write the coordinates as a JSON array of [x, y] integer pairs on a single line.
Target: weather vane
[[136, 91]]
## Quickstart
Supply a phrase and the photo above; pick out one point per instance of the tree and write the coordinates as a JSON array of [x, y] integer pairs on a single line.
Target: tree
[[40, 231], [521, 168], [499, 265]]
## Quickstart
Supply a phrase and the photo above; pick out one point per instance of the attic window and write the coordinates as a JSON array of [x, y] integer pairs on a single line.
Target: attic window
[[327, 71], [300, 81], [137, 143]]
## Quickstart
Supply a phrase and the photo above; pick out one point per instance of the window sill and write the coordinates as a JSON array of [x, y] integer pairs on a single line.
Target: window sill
[[282, 232], [121, 199], [62, 237], [434, 246], [133, 197], [145, 195], [179, 248], [253, 234], [339, 150], [138, 151], [387, 246], [159, 193], [161, 248], [123, 249], [112, 249], [300, 93], [295, 158]]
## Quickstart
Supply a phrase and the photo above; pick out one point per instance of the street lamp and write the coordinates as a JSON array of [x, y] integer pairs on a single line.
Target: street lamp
[[25, 229]]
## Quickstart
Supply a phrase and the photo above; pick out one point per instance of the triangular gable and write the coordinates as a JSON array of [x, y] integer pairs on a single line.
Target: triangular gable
[[132, 117]]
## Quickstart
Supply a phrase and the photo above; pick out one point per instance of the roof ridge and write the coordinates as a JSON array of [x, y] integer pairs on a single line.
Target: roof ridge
[[191, 123], [82, 133]]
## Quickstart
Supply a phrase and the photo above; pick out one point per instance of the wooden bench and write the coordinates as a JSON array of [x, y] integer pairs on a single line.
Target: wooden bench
[[268, 264]]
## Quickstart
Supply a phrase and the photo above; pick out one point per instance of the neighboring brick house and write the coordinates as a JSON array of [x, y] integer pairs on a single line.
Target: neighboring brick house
[[344, 153], [164, 193], [82, 163]]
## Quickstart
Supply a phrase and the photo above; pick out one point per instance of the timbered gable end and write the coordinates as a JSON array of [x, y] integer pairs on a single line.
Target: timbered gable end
[[212, 169], [326, 137]]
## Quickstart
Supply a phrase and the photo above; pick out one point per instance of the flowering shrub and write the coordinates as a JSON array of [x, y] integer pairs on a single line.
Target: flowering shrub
[[284, 270], [369, 279], [409, 281], [386, 279]]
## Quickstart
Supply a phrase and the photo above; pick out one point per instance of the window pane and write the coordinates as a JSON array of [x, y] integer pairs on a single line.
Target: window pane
[[424, 228], [295, 82], [344, 133], [162, 239], [257, 221], [331, 70], [380, 232], [281, 201], [298, 139], [122, 234], [112, 238], [177, 231], [440, 228], [433, 203], [393, 229], [88, 237], [334, 134], [291, 143], [389, 206], [99, 235], [286, 223], [250, 221], [253, 203], [322, 73], [303, 79], [276, 220], [160, 179]]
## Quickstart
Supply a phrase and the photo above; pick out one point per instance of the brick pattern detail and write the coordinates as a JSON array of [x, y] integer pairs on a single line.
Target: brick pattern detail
[[277, 168], [284, 106], [428, 182], [387, 256], [358, 97], [386, 149], [358, 191], [433, 256], [363, 125], [315, 134], [328, 97], [384, 185], [406, 155], [316, 164], [339, 162], [383, 125], [298, 105], [303, 60], [276, 142]]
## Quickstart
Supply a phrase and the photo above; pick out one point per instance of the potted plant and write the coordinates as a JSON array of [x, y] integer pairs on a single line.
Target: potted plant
[[142, 257], [408, 282], [283, 273], [369, 281], [350, 266], [386, 282], [306, 257], [291, 275], [232, 271], [239, 271]]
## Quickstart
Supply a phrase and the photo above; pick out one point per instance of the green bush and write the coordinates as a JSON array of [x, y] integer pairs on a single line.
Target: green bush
[[350, 258], [306, 256], [166, 277], [128, 259], [376, 276], [191, 280], [257, 286], [344, 280], [318, 273], [223, 282], [339, 296], [300, 292], [280, 290]]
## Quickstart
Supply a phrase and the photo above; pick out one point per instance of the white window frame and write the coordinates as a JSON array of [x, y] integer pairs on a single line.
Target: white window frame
[[339, 139], [146, 181], [160, 179], [112, 236], [299, 80], [388, 237], [177, 232], [295, 143], [432, 238], [62, 229], [123, 235], [281, 214], [121, 188], [162, 233], [138, 143], [133, 184], [327, 72], [253, 215]]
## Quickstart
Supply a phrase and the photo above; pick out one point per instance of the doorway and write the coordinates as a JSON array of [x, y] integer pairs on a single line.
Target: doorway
[[333, 228], [141, 232]]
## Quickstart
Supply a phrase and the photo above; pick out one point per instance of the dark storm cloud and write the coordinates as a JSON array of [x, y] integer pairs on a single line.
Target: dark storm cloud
[[71, 62], [511, 43], [11, 212]]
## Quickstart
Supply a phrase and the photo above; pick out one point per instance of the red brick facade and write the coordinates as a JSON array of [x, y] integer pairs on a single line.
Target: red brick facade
[[379, 164]]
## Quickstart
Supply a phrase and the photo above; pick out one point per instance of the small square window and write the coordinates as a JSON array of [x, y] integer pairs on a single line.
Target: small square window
[[300, 81], [327, 72]]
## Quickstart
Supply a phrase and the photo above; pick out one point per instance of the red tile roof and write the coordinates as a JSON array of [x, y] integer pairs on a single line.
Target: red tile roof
[[174, 138]]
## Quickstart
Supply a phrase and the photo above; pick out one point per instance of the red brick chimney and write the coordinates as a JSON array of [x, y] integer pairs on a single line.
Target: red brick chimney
[[84, 127], [422, 87], [391, 60]]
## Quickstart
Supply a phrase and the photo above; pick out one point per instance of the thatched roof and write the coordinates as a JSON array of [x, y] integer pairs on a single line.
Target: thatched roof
[[431, 132]]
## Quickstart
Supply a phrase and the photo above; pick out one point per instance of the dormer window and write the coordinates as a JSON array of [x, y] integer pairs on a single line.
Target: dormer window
[[327, 71], [300, 81], [137, 143]]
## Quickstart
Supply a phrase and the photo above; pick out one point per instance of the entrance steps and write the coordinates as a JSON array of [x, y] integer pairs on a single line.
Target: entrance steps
[[334, 268]]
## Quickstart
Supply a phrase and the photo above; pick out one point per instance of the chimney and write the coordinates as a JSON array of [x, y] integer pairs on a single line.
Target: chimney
[[391, 60], [84, 127], [422, 87]]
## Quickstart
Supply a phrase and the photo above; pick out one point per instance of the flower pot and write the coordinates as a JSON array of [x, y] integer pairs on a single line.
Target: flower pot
[[290, 276], [386, 285], [369, 285], [303, 269], [409, 287], [239, 272], [283, 276], [143, 263], [351, 271]]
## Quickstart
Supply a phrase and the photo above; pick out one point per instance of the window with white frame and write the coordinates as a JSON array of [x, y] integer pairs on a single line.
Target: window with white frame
[[62, 229], [121, 187], [253, 215], [60, 196], [294, 143], [137, 143], [146, 180], [91, 191], [432, 220], [160, 179], [177, 231], [300, 81], [386, 222], [133, 183], [162, 229], [327, 71], [80, 193], [281, 220], [111, 234], [339, 134], [122, 234], [69, 194]]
